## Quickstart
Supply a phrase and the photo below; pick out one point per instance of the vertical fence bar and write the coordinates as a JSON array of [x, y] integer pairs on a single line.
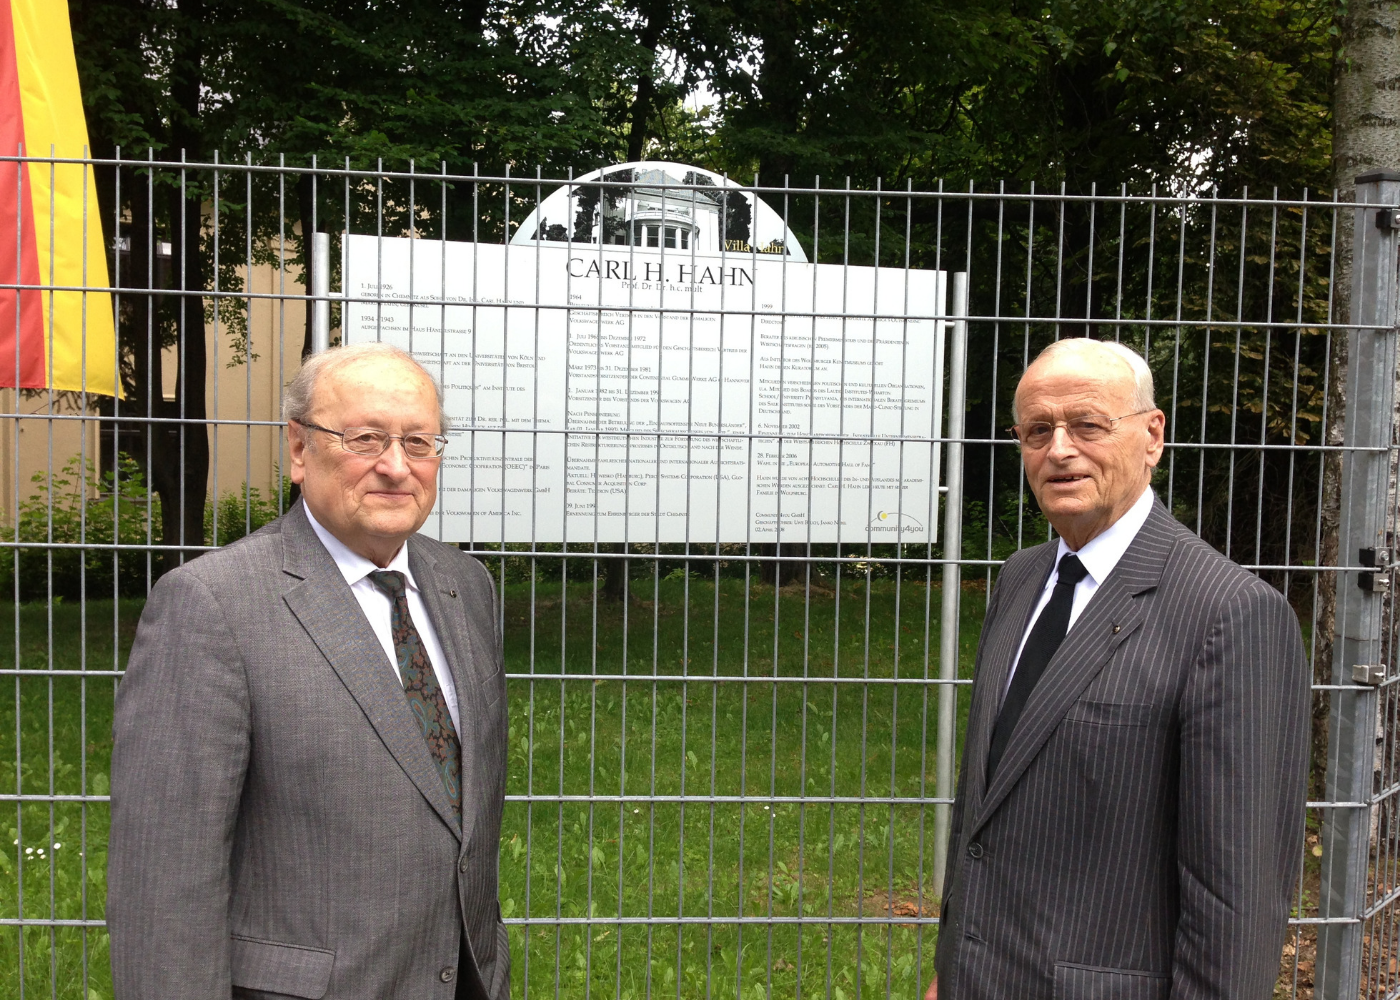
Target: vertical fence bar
[[871, 931], [321, 289], [952, 581], [1351, 746]]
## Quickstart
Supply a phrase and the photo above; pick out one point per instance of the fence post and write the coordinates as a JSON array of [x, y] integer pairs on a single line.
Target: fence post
[[952, 583], [1351, 744], [321, 289]]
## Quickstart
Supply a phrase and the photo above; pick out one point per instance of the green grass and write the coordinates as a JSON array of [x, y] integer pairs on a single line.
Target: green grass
[[610, 738], [73, 716]]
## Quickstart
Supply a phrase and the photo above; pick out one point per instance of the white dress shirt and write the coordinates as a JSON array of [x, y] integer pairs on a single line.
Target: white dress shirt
[[1099, 555], [380, 610]]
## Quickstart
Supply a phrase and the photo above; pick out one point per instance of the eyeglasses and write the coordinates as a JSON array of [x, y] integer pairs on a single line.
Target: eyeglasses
[[1088, 429], [372, 442]]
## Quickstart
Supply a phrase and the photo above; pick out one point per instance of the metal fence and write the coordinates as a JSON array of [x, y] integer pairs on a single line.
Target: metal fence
[[730, 759]]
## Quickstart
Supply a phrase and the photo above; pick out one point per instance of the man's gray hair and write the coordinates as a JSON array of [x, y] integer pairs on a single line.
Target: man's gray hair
[[299, 396], [1144, 396]]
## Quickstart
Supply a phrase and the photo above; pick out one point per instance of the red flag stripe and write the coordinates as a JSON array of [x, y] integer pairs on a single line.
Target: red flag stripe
[[22, 365]]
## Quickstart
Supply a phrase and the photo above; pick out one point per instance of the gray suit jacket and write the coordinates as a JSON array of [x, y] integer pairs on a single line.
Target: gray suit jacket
[[1144, 829], [278, 827]]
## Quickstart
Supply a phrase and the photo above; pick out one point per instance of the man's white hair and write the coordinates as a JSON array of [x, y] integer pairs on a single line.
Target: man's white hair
[[299, 396], [1144, 396]]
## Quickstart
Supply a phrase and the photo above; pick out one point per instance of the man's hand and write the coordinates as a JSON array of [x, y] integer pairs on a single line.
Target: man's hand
[[932, 993]]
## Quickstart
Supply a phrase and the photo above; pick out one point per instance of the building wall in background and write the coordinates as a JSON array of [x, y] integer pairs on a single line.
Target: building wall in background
[[244, 389]]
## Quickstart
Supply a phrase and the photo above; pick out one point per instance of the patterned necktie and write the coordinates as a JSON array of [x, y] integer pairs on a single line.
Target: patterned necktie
[[1045, 638], [420, 686]]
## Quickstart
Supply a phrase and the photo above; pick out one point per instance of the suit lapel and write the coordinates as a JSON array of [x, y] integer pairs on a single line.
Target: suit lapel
[[1111, 617], [333, 618], [444, 603]]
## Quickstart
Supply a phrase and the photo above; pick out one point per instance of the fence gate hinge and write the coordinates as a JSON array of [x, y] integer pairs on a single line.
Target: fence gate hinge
[[1388, 219], [1377, 582], [1367, 673]]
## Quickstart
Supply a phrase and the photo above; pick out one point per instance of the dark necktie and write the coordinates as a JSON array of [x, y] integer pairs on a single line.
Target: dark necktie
[[1045, 638], [420, 686]]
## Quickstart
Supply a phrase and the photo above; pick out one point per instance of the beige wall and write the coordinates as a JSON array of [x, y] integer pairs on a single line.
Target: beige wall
[[241, 392], [48, 439], [253, 390]]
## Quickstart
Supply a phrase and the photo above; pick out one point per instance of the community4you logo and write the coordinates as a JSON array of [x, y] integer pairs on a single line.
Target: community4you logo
[[894, 522]]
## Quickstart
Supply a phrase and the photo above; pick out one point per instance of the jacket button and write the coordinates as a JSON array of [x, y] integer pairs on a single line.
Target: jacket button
[[463, 865], [974, 851], [447, 974]]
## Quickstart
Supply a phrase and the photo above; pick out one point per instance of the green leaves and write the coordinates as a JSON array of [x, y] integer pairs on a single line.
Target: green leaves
[[78, 506], [237, 514]]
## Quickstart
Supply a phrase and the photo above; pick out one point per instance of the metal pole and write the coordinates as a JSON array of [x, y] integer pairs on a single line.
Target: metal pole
[[321, 289], [952, 582], [940, 367], [1351, 744]]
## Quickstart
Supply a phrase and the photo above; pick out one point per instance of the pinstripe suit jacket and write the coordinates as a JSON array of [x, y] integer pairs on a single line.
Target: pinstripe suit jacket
[[278, 826], [1143, 832]]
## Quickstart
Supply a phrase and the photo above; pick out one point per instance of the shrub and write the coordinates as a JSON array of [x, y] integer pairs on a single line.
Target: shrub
[[62, 511], [243, 512]]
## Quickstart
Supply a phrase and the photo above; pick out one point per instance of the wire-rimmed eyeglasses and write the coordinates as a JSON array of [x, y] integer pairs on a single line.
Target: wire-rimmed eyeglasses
[[372, 442], [1088, 429]]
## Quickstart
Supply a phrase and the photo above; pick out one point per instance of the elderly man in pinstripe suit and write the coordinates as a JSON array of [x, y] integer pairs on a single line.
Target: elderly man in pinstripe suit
[[1129, 814]]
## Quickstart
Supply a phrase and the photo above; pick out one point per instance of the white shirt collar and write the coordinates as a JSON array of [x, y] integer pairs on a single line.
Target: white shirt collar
[[1102, 552], [353, 566]]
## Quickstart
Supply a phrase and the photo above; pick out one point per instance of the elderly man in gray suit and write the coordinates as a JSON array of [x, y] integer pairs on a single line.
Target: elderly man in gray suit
[[1129, 813], [309, 768]]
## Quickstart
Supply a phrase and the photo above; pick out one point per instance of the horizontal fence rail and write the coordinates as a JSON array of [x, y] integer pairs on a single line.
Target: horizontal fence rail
[[731, 745]]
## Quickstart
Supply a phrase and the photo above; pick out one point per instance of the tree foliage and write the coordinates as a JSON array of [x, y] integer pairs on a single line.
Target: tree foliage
[[1183, 95], [1135, 91]]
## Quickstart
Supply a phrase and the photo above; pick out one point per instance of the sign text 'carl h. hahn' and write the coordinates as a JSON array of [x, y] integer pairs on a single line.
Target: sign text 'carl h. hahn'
[[657, 271]]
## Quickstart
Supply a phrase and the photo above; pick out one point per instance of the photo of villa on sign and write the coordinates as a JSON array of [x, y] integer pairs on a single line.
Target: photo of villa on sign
[[659, 205]]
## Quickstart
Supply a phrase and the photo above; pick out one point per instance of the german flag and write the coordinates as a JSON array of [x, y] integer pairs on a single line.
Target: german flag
[[53, 333]]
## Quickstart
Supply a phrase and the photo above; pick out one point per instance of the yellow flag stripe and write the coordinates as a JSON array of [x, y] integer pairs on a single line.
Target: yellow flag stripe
[[80, 343]]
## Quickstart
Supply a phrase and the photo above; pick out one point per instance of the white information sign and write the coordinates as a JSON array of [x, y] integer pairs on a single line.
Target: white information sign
[[625, 394]]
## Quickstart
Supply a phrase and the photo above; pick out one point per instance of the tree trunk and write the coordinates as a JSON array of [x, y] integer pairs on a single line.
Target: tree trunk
[[183, 513], [472, 14], [782, 89], [780, 572], [614, 573], [141, 330], [180, 471], [1365, 137], [657, 15], [306, 211]]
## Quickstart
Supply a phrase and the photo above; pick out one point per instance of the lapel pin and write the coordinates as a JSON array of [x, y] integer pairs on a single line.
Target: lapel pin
[[453, 593], [1117, 629]]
